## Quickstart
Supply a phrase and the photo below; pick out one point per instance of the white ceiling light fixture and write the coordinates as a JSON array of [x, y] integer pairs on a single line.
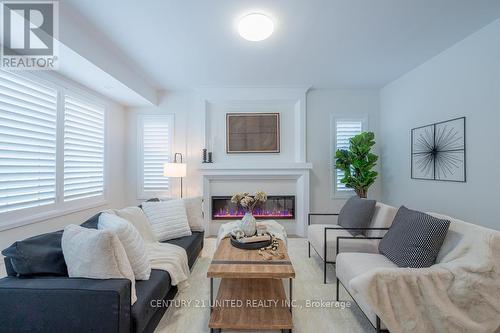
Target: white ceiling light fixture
[[255, 27]]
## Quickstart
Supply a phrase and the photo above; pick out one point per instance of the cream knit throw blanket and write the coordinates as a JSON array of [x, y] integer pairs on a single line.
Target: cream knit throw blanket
[[163, 256], [461, 293]]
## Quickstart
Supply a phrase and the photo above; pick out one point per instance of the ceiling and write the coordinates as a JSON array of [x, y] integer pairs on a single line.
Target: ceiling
[[348, 44]]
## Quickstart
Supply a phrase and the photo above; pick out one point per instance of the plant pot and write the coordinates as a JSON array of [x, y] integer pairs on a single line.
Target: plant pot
[[248, 225]]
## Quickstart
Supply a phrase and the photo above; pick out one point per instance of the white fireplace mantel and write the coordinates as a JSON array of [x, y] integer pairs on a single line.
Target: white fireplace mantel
[[297, 172], [219, 167]]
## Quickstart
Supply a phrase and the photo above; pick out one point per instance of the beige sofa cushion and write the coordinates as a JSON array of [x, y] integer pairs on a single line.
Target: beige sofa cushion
[[382, 218], [316, 236], [460, 232], [194, 213], [350, 265]]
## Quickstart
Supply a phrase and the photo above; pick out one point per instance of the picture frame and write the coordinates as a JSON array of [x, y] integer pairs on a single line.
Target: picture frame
[[252, 133], [438, 151]]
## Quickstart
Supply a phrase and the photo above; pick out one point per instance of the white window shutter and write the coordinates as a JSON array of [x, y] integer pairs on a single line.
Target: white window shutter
[[156, 144], [83, 149], [28, 117], [344, 131]]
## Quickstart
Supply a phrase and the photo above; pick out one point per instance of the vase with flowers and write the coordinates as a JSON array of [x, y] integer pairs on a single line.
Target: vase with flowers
[[248, 203]]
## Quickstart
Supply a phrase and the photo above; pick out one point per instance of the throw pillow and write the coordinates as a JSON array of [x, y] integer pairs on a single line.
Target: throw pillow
[[195, 213], [168, 219], [38, 255], [151, 200], [132, 243], [96, 254], [414, 239], [91, 223], [356, 213], [136, 216]]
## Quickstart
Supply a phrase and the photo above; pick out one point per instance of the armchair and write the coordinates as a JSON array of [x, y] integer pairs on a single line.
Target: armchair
[[323, 237]]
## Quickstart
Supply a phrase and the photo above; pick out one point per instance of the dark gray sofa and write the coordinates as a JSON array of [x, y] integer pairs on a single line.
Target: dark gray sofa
[[62, 304]]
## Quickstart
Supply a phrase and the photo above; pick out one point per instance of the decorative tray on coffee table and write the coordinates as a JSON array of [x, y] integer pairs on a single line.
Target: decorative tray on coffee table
[[251, 245]]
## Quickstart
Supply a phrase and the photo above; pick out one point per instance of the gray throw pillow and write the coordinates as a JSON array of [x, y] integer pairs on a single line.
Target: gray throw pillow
[[356, 213], [414, 239], [38, 255]]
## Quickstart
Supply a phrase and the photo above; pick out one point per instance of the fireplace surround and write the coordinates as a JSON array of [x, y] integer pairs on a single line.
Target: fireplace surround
[[280, 207]]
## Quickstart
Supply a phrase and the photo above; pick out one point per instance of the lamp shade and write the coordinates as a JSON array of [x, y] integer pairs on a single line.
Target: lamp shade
[[175, 169]]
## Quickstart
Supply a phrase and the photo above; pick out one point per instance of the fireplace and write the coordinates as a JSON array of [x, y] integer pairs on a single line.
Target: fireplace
[[276, 207]]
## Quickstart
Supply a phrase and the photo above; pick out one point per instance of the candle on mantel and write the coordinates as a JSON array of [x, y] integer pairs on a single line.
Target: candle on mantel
[[212, 144]]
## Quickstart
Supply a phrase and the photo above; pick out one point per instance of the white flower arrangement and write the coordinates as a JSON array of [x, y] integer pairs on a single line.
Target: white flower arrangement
[[248, 202]]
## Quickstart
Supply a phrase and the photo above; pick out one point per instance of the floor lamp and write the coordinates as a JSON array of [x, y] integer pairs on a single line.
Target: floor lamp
[[177, 169]]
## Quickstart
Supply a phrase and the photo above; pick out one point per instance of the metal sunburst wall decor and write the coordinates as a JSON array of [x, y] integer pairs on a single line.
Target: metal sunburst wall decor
[[438, 151]]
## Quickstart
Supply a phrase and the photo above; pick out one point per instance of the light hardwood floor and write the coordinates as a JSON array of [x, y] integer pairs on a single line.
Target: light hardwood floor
[[192, 316]]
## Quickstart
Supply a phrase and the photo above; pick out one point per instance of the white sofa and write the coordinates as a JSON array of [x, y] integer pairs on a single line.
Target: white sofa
[[459, 293], [317, 233]]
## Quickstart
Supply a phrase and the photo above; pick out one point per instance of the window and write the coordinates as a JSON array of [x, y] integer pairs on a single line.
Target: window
[[83, 149], [52, 148], [28, 116], [343, 130], [155, 149]]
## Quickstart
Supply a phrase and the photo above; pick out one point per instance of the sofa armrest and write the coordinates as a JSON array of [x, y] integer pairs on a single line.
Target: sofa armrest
[[319, 214], [50, 304]]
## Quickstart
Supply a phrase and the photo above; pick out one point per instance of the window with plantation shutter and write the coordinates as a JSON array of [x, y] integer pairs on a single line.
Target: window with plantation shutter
[[155, 144], [344, 130], [83, 149], [28, 118]]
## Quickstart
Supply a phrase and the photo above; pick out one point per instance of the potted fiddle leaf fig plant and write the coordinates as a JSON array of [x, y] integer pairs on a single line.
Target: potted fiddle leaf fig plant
[[357, 163]]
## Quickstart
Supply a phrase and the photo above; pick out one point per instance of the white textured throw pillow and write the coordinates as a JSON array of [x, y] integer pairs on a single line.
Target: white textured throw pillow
[[132, 243], [194, 213], [96, 254], [168, 219], [136, 216]]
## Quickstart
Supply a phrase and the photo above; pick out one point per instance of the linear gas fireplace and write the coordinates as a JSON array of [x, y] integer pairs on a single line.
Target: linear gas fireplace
[[276, 207]]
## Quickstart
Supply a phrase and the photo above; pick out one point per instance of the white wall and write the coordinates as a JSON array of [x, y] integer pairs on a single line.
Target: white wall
[[116, 176], [462, 81], [321, 105]]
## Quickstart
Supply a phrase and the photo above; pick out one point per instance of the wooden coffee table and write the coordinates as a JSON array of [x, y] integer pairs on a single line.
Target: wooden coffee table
[[251, 293]]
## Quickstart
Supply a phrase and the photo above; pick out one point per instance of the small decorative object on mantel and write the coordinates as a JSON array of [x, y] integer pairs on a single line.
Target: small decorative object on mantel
[[248, 223], [207, 156], [204, 153], [438, 151]]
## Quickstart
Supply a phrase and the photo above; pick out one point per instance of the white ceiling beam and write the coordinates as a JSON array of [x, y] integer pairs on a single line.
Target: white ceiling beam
[[87, 57]]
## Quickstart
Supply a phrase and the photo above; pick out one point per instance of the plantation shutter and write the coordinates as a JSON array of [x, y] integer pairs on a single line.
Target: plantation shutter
[[83, 149], [28, 115], [156, 148], [344, 131]]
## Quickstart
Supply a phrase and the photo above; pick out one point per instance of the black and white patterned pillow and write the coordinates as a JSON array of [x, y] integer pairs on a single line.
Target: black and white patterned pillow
[[414, 239]]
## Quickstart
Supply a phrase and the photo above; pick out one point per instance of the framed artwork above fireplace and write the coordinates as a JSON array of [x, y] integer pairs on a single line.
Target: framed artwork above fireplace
[[252, 133]]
